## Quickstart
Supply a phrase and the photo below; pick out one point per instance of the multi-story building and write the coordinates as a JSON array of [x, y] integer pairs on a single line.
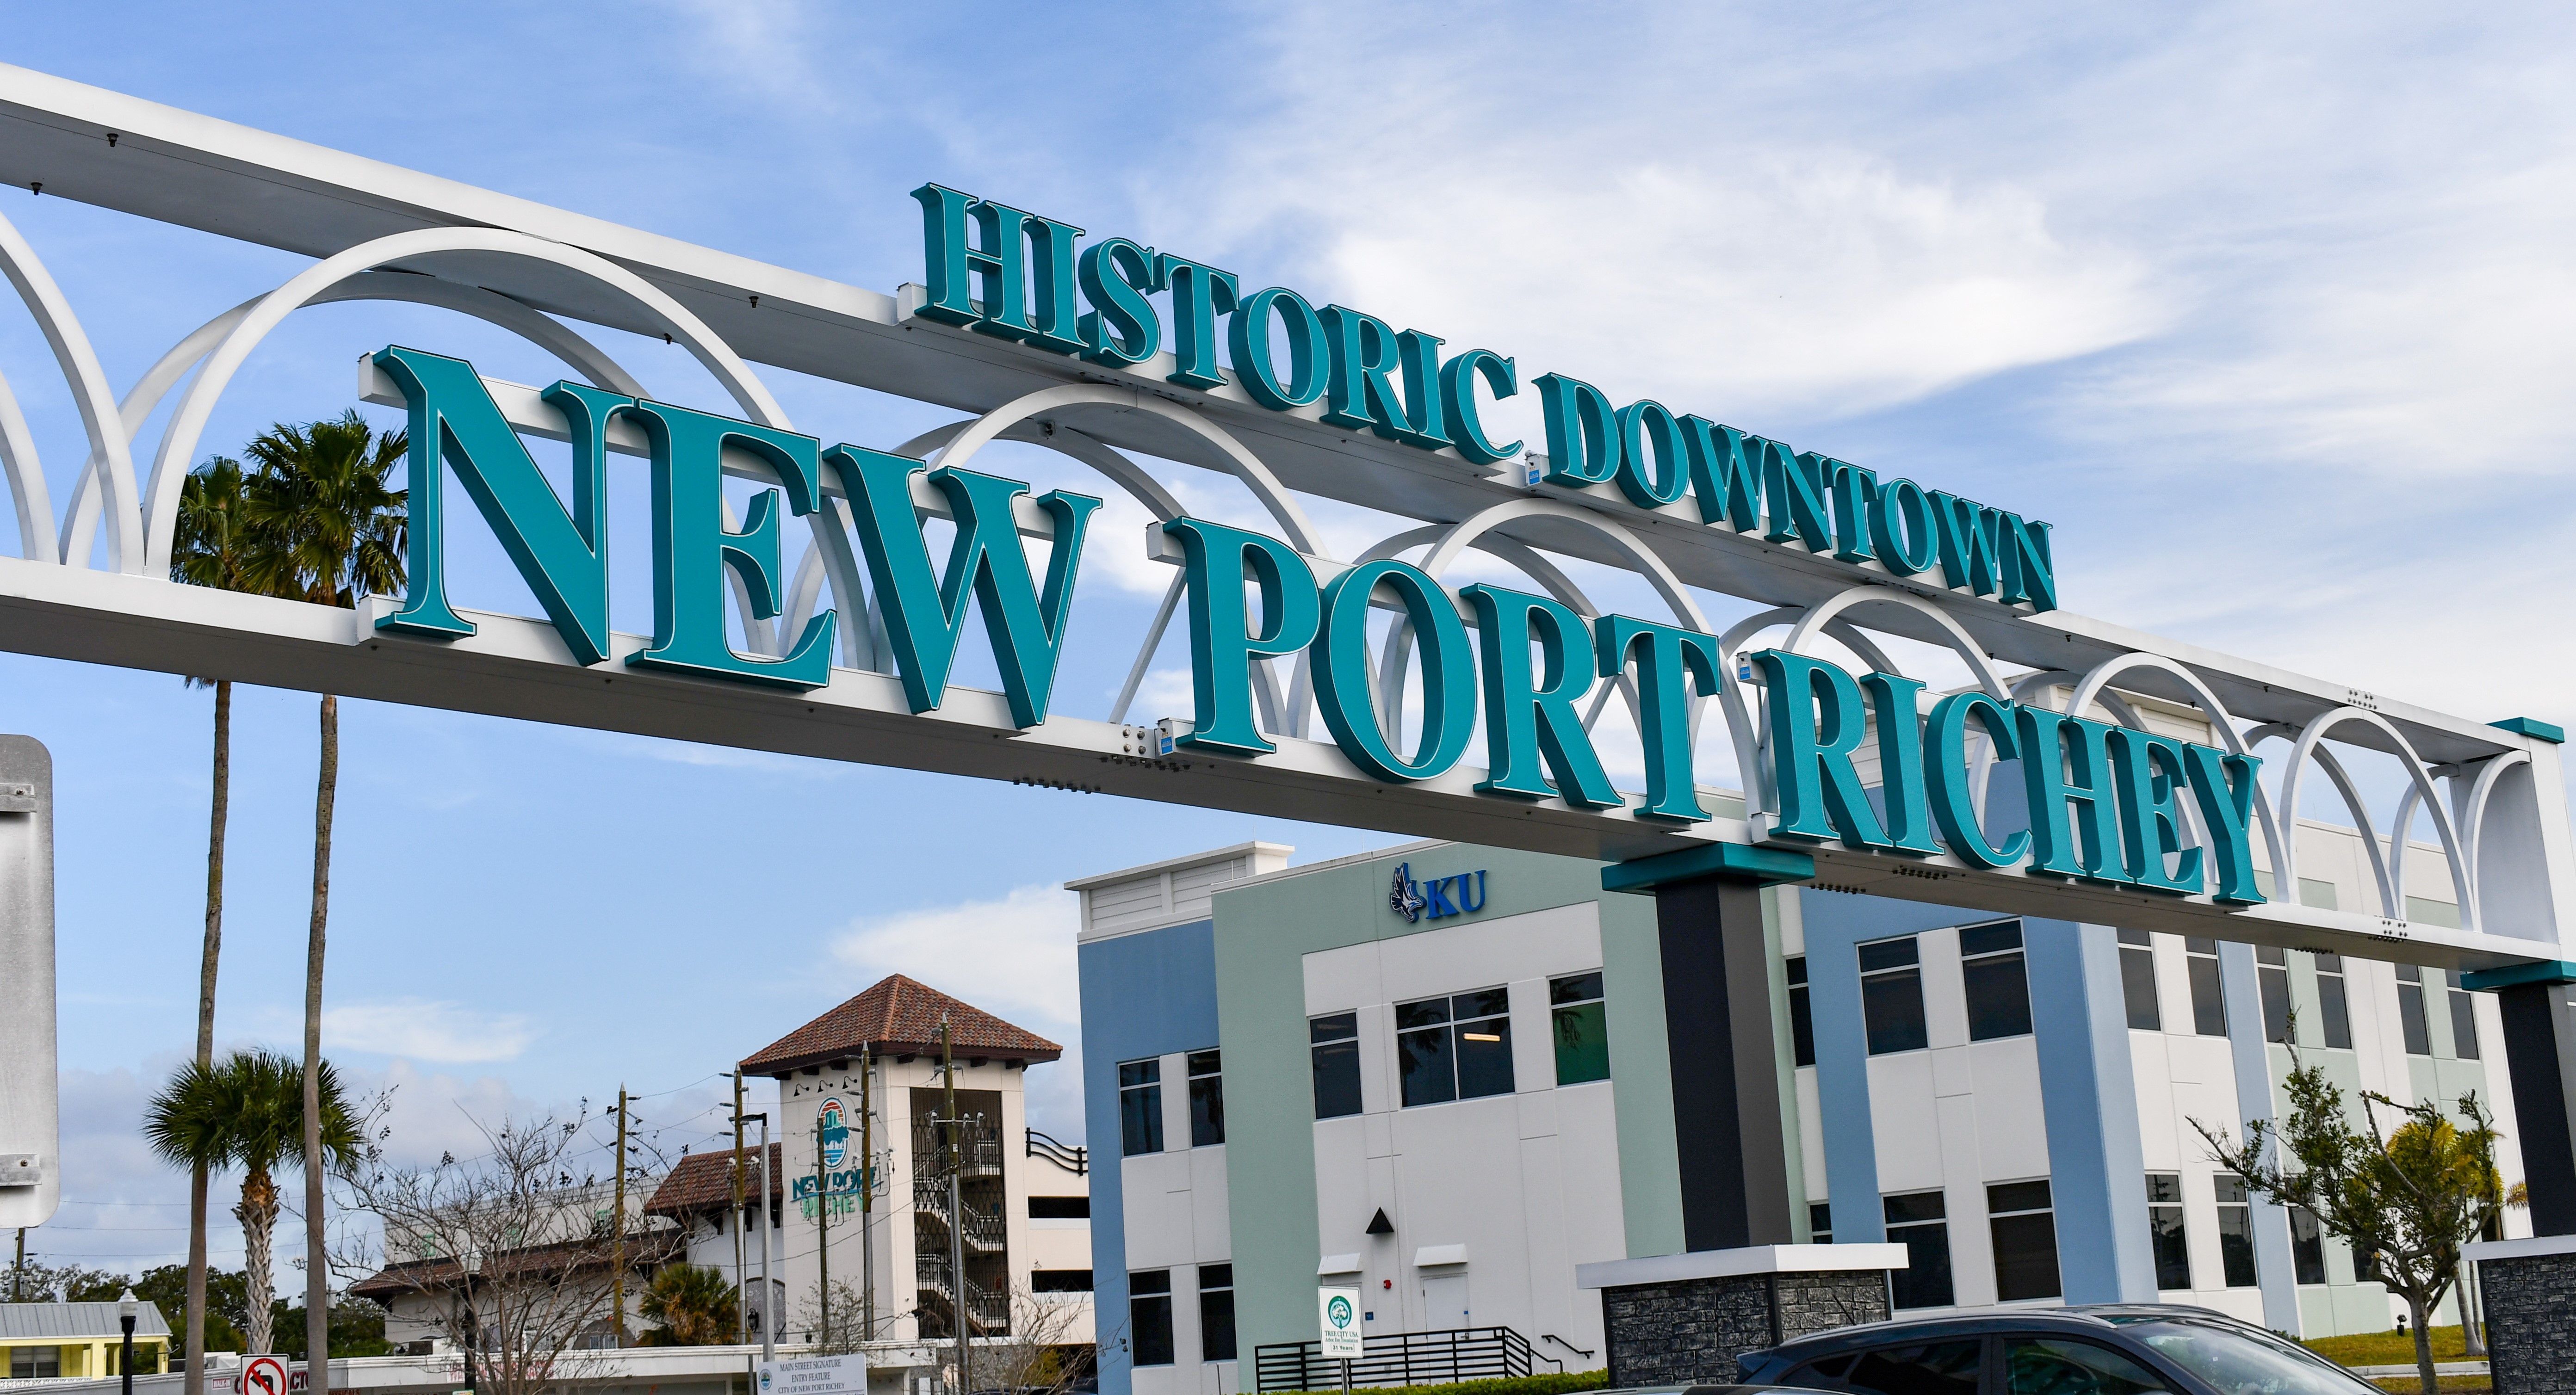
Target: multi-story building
[[864, 1103], [1440, 1074]]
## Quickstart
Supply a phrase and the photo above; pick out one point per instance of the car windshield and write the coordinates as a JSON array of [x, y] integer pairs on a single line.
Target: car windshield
[[2233, 1361]]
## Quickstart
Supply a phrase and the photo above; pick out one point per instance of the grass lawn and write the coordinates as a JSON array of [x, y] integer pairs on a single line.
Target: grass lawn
[[2389, 1348], [2408, 1385]]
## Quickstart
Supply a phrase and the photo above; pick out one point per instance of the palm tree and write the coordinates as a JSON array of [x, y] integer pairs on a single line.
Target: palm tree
[[248, 1112], [690, 1305], [207, 551], [324, 528]]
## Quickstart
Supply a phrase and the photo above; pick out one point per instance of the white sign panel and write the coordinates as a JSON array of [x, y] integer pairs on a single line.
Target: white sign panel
[[815, 1375], [263, 1375], [1338, 1310]]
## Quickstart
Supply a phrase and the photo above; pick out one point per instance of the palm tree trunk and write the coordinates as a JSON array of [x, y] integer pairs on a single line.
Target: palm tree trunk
[[194, 1381], [258, 1216], [317, 1276]]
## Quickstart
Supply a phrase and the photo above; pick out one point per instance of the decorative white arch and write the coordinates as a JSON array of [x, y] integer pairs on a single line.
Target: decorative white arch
[[2306, 747], [188, 422], [90, 394], [1478, 531], [80, 529], [1395, 662], [1232, 456], [2473, 818]]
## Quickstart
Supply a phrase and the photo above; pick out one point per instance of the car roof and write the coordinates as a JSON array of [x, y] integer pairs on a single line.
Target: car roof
[[2087, 1317]]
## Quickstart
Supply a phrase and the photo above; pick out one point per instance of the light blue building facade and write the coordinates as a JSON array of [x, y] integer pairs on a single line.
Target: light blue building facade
[[1291, 1080]]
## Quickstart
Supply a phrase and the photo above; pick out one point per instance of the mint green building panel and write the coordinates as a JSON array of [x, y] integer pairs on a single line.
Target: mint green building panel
[[1264, 932]]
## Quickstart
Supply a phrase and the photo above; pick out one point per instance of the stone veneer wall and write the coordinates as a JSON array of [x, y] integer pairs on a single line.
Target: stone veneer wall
[[1691, 1332], [2531, 1323]]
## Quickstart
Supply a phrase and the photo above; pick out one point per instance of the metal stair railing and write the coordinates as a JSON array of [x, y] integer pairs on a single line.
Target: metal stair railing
[[1410, 1358], [979, 1144], [986, 1231], [986, 1310]]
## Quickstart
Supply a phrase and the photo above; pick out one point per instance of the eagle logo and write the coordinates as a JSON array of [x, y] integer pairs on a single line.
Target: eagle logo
[[1404, 895]]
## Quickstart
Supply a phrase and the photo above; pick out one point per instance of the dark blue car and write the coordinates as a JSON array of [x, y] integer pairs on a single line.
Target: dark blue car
[[2107, 1349]]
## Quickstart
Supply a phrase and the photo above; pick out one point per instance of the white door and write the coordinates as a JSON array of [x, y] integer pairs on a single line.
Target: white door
[[1444, 1302]]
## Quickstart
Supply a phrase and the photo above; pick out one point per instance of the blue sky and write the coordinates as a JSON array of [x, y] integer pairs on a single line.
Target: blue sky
[[2266, 308]]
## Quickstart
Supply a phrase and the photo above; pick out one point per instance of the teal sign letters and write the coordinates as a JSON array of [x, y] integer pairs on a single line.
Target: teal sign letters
[[999, 271]]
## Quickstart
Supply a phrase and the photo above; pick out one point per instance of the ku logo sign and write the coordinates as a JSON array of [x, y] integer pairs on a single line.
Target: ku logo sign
[[835, 1121], [1439, 898]]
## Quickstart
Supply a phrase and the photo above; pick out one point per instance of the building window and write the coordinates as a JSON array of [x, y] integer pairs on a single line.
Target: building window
[[2165, 1238], [1336, 1040], [1140, 1106], [1891, 996], [1998, 985], [1207, 1100], [1059, 1208], [1581, 1024], [2272, 975], [2333, 1012], [1455, 1048], [1820, 1222], [2025, 1234], [1802, 1017], [2307, 1246], [2235, 1231], [1916, 1222], [2464, 1026], [35, 1363], [2138, 980], [2410, 1010], [1060, 1281], [1216, 1312], [1149, 1316], [2208, 1000]]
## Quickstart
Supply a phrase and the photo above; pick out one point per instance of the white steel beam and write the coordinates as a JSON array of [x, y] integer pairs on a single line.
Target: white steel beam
[[519, 668]]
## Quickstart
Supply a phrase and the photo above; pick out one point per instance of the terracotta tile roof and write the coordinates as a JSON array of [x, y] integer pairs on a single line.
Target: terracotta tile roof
[[899, 1016], [704, 1181], [646, 1250]]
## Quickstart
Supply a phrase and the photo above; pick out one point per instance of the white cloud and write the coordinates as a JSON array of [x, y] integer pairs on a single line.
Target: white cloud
[[1013, 957], [426, 1030], [1022, 966]]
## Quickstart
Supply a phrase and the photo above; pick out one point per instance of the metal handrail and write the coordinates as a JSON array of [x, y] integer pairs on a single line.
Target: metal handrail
[[985, 1308], [981, 1145], [1409, 1358]]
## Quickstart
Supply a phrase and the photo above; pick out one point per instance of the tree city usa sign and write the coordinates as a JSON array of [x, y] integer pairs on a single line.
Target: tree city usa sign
[[826, 611]]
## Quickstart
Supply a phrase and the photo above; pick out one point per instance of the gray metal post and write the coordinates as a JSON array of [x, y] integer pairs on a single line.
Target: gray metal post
[[768, 1290], [31, 1174]]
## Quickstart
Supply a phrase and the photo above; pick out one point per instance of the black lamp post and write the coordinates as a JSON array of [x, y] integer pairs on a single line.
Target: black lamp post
[[126, 1307]]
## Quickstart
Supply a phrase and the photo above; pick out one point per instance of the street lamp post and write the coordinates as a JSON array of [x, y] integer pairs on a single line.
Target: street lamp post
[[126, 1308]]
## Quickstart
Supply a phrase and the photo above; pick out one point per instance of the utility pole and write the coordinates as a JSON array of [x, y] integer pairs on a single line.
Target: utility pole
[[741, 1310], [617, 1232], [956, 1203], [867, 1195], [822, 1230], [768, 1292], [18, 1275]]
